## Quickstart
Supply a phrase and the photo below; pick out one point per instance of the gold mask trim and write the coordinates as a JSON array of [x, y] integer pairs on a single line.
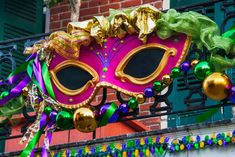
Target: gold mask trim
[[96, 89], [141, 81], [79, 64]]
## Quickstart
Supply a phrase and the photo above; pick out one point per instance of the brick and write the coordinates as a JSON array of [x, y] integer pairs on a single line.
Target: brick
[[84, 4], [148, 1], [113, 1], [145, 107], [94, 3], [65, 23], [109, 6], [144, 113], [155, 127], [59, 9], [54, 17], [151, 121], [65, 15], [90, 11], [55, 25], [130, 3], [158, 5]]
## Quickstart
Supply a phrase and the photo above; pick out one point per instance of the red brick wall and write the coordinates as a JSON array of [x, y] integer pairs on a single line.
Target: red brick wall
[[60, 16]]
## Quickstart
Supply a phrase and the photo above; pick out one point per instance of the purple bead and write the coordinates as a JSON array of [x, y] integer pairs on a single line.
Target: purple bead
[[232, 94], [67, 153], [93, 150], [172, 148], [104, 108], [129, 154], [185, 66], [166, 139], [137, 142], [152, 150], [209, 142], [146, 140], [141, 154], [233, 133], [188, 146], [224, 143], [53, 115], [157, 139], [123, 145], [108, 149], [124, 108], [148, 92], [198, 138]]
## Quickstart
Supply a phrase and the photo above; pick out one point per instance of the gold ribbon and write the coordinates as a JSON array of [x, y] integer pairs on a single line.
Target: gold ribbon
[[145, 18], [68, 44], [142, 19], [120, 23]]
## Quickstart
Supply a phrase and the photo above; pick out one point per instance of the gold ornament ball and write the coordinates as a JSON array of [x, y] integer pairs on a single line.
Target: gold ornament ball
[[84, 120], [166, 79], [140, 98], [216, 86]]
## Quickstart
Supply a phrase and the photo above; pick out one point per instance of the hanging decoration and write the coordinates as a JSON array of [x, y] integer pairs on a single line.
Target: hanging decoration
[[151, 146], [136, 51]]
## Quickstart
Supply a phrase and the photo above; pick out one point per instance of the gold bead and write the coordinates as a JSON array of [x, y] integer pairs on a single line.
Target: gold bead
[[194, 62], [216, 86], [166, 79], [84, 120], [140, 98]]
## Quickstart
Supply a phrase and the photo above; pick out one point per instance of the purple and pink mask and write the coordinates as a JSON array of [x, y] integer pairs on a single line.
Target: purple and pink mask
[[127, 65]]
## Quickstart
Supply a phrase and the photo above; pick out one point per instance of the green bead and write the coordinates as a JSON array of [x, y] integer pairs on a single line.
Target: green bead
[[223, 135], [133, 103], [64, 120], [157, 86], [156, 151], [4, 94], [177, 147], [207, 138], [161, 151], [97, 149], [119, 155], [175, 72], [133, 154], [215, 141], [228, 139], [196, 145], [47, 110], [202, 70], [150, 140]]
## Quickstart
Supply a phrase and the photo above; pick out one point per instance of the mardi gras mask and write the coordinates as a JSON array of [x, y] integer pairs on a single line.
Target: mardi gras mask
[[127, 65]]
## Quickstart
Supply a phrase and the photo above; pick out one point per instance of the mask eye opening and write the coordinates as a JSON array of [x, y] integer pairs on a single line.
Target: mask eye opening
[[73, 63], [144, 80]]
